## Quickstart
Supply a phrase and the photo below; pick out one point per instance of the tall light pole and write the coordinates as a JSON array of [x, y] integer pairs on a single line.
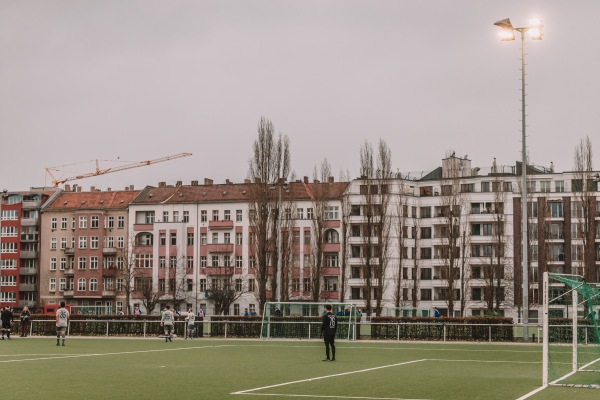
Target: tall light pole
[[508, 34]]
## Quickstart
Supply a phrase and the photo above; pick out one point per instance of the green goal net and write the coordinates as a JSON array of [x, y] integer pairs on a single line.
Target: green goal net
[[298, 320], [571, 339]]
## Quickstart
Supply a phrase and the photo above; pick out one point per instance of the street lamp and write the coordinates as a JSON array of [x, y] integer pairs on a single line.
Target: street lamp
[[281, 183], [507, 33]]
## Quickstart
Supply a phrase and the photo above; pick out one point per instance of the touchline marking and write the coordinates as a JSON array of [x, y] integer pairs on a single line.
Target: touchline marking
[[326, 376], [486, 361], [111, 354], [328, 397]]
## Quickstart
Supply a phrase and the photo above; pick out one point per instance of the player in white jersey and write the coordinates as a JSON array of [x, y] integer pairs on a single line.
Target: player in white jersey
[[62, 321], [190, 319], [167, 322]]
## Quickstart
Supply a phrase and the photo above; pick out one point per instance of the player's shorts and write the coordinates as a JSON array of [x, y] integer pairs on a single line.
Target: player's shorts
[[61, 329], [5, 324], [168, 328]]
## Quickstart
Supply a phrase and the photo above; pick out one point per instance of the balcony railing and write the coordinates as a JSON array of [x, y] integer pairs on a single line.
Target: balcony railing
[[109, 250], [108, 293], [29, 254], [31, 204], [68, 293], [29, 221], [228, 224], [70, 272], [69, 251], [29, 237], [27, 287], [27, 271]]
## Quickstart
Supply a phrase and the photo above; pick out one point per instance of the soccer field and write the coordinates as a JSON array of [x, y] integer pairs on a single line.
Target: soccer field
[[89, 368]]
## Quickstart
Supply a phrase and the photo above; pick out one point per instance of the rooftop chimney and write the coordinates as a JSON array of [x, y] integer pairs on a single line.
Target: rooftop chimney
[[78, 189], [331, 179], [306, 179], [67, 188], [247, 181], [178, 183], [162, 184], [227, 182], [208, 181], [131, 187], [92, 188], [194, 183]]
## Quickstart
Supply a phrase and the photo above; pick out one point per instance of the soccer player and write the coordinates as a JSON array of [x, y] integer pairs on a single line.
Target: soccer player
[[167, 322], [7, 320], [328, 329], [62, 321], [190, 323]]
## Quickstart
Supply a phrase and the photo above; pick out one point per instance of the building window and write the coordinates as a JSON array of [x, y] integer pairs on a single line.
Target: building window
[[425, 294], [238, 238], [94, 242], [332, 260], [54, 223], [63, 223], [173, 239], [332, 213], [203, 261], [556, 210], [190, 262], [190, 239], [238, 285], [309, 213], [81, 284], [203, 238], [52, 284], [307, 285], [82, 242], [559, 186], [215, 215], [251, 285], [53, 243], [238, 215], [95, 221], [227, 238], [214, 261], [215, 238], [63, 263], [82, 222], [485, 186], [53, 264], [93, 285], [186, 216], [165, 216], [300, 213], [227, 215], [238, 261], [203, 216], [81, 262], [93, 262], [545, 186], [162, 262], [175, 216], [120, 222], [203, 285]]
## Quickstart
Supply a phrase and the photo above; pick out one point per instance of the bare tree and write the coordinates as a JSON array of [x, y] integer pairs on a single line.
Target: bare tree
[[226, 286], [345, 234], [269, 165], [451, 208], [416, 272], [176, 279], [376, 198], [584, 186], [147, 292], [401, 228], [137, 250]]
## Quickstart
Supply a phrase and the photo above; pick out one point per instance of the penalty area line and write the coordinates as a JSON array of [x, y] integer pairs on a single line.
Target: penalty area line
[[248, 391], [312, 396]]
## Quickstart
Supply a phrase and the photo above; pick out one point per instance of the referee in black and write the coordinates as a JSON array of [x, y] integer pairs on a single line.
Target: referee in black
[[328, 329]]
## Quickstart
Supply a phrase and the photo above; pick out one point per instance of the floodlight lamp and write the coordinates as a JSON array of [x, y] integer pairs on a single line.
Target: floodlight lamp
[[507, 35], [506, 29]]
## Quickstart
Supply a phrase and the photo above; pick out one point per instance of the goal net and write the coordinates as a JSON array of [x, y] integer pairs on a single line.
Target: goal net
[[299, 320], [571, 354], [404, 312]]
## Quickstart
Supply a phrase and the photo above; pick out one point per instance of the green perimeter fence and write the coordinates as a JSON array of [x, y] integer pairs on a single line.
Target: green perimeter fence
[[492, 329]]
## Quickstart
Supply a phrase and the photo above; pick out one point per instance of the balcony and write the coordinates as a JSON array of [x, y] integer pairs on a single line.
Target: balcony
[[219, 248], [69, 272], [69, 251], [29, 254], [109, 250], [27, 287], [330, 247], [30, 221], [68, 293], [108, 293], [27, 303], [31, 204], [27, 271], [29, 237], [217, 225], [142, 227]]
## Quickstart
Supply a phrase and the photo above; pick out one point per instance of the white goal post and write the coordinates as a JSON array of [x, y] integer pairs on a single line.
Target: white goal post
[[302, 320]]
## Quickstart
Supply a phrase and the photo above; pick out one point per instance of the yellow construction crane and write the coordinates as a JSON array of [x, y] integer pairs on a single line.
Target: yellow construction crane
[[55, 181]]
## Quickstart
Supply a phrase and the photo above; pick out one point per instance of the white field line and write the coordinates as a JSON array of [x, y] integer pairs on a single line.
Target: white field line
[[486, 361], [325, 377], [58, 357], [312, 396], [526, 396], [404, 348]]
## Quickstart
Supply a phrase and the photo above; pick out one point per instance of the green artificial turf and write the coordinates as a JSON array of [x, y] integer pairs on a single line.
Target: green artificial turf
[[110, 368]]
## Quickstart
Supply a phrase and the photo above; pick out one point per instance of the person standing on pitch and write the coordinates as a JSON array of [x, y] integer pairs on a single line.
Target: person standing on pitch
[[25, 322], [328, 329], [190, 319], [167, 322], [7, 321], [62, 321]]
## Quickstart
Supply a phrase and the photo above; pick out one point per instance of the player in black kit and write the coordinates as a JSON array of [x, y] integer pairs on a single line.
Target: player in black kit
[[328, 329]]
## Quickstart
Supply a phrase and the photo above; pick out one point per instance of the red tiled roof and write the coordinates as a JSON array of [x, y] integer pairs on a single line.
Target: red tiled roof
[[87, 200], [233, 192]]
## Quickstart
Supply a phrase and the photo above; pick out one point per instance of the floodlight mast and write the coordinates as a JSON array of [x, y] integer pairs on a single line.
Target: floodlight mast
[[507, 33]]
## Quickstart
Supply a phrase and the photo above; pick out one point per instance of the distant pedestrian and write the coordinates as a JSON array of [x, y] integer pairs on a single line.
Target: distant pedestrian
[[25, 321], [328, 329], [62, 321], [167, 320], [436, 312], [246, 312]]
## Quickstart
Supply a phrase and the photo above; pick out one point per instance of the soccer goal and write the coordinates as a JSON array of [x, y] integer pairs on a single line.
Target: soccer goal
[[571, 354], [297, 320], [404, 312]]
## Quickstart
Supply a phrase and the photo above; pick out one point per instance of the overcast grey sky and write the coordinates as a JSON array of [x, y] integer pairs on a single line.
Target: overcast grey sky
[[135, 80]]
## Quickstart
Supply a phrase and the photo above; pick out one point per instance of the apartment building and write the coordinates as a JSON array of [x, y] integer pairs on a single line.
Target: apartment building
[[83, 248], [197, 240], [453, 235], [19, 246]]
